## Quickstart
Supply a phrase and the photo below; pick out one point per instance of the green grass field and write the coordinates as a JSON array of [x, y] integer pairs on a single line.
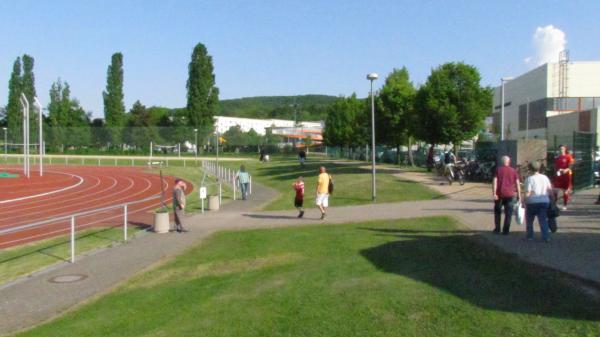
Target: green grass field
[[352, 182], [414, 277], [28, 258]]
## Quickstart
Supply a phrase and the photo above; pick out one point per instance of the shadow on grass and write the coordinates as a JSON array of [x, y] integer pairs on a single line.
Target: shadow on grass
[[469, 268]]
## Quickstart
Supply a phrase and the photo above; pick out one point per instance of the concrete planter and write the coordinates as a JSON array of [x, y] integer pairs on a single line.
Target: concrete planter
[[213, 203], [161, 222]]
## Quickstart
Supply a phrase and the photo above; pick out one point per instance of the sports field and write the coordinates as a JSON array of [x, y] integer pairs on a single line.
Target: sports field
[[63, 191]]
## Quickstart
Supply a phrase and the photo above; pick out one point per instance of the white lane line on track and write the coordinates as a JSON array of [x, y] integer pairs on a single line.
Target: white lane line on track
[[47, 193], [71, 203], [79, 226], [131, 185]]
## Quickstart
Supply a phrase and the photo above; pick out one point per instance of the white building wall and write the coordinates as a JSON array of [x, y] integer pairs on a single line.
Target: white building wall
[[530, 86], [583, 79], [223, 123]]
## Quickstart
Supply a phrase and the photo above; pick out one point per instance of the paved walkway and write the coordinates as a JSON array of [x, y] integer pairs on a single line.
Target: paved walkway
[[575, 248]]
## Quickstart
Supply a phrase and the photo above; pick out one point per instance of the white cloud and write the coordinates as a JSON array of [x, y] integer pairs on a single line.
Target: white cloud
[[548, 42]]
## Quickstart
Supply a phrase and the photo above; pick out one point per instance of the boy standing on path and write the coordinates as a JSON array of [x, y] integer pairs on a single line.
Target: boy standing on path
[[504, 186], [323, 191], [299, 198], [179, 204]]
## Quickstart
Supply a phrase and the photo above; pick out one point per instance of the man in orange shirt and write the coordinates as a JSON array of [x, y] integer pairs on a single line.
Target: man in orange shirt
[[323, 191]]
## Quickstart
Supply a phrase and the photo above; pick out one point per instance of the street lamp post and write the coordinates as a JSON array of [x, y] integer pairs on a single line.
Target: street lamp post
[[196, 143], [38, 105], [502, 80], [5, 145], [372, 77]]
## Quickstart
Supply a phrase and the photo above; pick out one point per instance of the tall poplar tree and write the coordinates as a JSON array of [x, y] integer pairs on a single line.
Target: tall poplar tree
[[28, 88], [114, 108], [13, 108], [202, 94]]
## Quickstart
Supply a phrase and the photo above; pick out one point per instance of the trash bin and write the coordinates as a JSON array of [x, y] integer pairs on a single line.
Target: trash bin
[[161, 222], [213, 203]]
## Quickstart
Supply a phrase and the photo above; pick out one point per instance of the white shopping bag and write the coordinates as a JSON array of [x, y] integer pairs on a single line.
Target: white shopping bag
[[519, 213]]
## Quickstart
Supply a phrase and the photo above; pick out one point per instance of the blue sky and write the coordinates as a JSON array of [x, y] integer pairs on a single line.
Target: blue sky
[[278, 47]]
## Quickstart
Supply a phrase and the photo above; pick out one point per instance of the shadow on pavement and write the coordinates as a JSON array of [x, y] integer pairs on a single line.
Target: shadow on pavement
[[468, 267]]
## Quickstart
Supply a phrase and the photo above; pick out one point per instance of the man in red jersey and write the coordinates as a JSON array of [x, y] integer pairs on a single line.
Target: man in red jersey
[[505, 187], [564, 175]]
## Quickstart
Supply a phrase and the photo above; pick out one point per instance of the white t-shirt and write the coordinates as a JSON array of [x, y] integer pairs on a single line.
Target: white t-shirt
[[538, 184]]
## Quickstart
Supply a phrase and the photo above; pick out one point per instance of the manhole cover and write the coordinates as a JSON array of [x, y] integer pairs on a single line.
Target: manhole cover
[[68, 278]]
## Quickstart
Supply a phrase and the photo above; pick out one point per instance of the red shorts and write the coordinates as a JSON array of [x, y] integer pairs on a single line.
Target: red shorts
[[563, 181]]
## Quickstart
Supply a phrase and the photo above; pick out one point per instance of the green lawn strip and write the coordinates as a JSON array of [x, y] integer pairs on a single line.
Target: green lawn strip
[[194, 175], [28, 258], [352, 182], [413, 277]]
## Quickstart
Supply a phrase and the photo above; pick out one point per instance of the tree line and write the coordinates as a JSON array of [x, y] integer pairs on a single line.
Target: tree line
[[449, 107], [68, 125]]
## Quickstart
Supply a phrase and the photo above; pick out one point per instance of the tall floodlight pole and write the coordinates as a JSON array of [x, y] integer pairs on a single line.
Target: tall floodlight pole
[[502, 80], [25, 105], [372, 77], [196, 142], [38, 105], [5, 144]]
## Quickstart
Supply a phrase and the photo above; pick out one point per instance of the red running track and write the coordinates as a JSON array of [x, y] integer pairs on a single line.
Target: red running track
[[63, 191]]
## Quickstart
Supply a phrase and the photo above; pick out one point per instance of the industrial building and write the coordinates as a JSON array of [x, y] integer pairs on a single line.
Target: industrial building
[[551, 101]]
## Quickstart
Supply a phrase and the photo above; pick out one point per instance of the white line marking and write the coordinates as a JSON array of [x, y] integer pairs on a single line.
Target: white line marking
[[47, 193]]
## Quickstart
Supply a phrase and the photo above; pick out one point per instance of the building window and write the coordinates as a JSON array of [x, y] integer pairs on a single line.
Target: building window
[[537, 114], [523, 117]]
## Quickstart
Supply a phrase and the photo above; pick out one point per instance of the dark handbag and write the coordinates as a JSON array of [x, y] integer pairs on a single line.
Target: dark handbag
[[553, 211], [330, 187]]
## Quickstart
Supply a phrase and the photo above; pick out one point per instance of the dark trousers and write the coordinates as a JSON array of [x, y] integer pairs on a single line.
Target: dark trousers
[[508, 204], [178, 219]]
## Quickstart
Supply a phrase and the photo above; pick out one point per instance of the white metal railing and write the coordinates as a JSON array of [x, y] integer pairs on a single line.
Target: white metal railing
[[106, 160], [225, 174], [72, 218]]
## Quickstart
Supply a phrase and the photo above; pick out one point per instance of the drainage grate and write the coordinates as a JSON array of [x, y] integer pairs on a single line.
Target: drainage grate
[[72, 278]]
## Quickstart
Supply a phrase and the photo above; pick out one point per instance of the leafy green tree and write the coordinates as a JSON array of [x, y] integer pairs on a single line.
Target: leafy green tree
[[114, 108], [395, 110], [202, 94], [28, 88], [342, 127], [452, 104], [68, 121], [13, 108], [141, 129]]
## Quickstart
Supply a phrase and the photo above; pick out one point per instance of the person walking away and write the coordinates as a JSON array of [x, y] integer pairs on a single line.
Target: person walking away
[[538, 194], [179, 204], [504, 186], [242, 178], [301, 157], [323, 191], [298, 186], [564, 175]]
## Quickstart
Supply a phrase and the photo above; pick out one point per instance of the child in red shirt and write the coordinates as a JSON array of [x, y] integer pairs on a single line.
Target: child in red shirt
[[299, 198]]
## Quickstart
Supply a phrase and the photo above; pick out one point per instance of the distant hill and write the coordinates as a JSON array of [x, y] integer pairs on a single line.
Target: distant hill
[[309, 107]]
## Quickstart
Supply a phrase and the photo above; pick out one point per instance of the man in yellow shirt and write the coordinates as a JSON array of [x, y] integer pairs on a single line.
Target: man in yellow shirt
[[323, 191]]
